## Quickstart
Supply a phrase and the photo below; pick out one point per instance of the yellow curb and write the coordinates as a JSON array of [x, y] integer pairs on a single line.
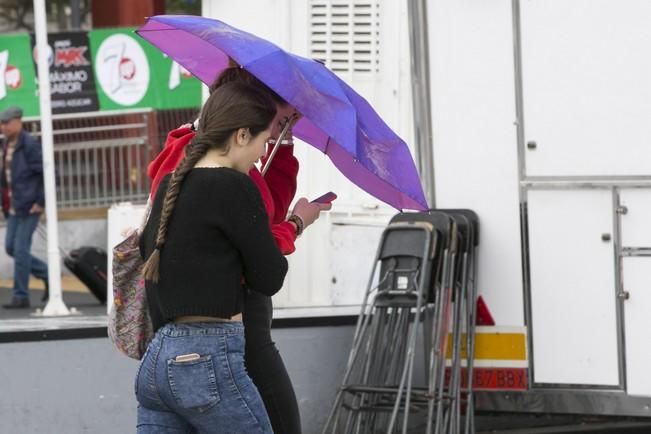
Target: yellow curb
[[69, 283]]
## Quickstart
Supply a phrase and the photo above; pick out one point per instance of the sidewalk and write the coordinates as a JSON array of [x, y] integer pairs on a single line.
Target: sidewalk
[[75, 294], [68, 283]]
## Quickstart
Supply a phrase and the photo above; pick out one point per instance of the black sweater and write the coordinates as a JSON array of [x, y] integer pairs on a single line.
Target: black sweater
[[218, 234]]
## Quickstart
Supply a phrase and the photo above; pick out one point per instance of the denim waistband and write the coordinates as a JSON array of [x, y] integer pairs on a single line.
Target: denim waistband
[[203, 328]]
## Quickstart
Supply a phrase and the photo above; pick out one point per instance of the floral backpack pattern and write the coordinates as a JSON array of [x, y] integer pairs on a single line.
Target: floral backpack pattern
[[130, 327]]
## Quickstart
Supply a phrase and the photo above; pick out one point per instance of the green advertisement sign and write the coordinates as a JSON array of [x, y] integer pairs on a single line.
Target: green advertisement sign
[[17, 74], [128, 73]]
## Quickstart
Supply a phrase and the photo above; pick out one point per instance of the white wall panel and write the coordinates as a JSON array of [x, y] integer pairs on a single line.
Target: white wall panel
[[475, 147]]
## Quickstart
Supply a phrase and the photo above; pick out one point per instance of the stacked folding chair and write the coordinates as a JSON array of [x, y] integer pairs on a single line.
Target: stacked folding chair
[[420, 297]]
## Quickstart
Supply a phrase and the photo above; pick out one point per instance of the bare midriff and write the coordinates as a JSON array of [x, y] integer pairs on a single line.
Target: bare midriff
[[199, 318]]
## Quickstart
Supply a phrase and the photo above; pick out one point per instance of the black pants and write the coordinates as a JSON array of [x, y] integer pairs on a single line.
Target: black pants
[[266, 367]]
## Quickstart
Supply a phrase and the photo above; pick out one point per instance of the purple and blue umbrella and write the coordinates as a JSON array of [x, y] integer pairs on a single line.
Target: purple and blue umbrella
[[336, 119]]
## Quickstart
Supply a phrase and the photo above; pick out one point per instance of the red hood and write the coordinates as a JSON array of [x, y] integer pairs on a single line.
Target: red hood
[[169, 157]]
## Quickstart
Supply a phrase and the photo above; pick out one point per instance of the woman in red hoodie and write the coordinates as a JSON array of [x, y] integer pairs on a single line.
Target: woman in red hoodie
[[277, 187]]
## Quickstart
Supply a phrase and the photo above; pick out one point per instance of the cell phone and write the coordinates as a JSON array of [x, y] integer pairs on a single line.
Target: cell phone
[[326, 198]]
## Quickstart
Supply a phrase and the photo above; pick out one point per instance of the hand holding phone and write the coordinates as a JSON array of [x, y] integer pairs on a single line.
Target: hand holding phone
[[308, 212], [326, 198]]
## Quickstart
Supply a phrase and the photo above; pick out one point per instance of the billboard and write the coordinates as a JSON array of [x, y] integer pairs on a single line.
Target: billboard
[[17, 74], [131, 73], [72, 84], [107, 69]]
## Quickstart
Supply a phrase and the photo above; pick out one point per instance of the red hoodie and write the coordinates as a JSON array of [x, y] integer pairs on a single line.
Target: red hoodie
[[277, 187]]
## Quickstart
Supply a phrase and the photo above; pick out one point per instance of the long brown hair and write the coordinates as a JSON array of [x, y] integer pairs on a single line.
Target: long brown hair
[[229, 107], [238, 74]]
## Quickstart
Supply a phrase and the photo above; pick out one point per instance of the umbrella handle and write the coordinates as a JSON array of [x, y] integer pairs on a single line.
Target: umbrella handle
[[279, 140]]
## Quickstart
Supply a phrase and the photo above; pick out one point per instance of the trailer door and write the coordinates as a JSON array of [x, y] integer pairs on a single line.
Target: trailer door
[[573, 306], [585, 101], [587, 87], [635, 258]]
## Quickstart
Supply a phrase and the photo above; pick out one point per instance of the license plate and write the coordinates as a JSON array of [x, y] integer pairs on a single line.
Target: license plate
[[493, 378]]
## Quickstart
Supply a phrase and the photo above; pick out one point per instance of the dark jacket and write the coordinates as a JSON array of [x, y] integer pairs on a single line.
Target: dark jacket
[[26, 174]]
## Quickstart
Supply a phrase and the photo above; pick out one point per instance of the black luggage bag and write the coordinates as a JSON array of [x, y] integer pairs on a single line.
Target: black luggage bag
[[89, 265]]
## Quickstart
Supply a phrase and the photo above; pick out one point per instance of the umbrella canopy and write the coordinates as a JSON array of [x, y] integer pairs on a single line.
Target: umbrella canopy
[[336, 119]]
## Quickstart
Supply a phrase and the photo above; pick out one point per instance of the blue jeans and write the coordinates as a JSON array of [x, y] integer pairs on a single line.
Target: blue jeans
[[18, 244], [209, 393]]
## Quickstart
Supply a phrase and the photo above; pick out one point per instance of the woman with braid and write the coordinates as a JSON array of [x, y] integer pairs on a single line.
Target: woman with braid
[[208, 231], [277, 187]]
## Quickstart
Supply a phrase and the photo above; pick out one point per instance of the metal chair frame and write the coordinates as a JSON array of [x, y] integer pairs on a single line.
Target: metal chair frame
[[433, 291]]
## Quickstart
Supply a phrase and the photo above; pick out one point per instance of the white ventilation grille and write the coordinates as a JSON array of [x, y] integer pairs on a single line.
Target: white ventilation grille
[[345, 34]]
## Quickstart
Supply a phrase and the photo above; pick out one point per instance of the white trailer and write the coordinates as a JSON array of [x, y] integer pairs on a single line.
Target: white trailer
[[539, 111], [540, 120]]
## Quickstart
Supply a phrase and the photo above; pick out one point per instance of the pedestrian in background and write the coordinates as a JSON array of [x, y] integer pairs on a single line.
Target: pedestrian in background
[[23, 201]]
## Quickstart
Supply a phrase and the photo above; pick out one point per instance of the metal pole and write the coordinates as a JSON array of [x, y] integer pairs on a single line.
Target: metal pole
[[55, 305], [75, 16], [420, 90], [523, 190]]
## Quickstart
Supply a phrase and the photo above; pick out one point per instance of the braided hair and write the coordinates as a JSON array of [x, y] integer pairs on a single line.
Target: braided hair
[[229, 107]]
